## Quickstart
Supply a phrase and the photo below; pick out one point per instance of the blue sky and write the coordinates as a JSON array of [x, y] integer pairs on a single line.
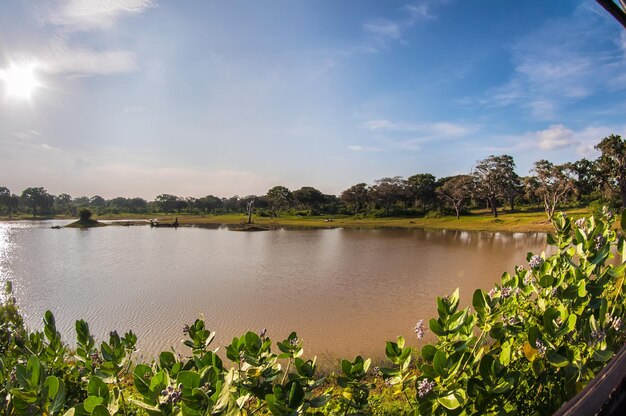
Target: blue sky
[[141, 97]]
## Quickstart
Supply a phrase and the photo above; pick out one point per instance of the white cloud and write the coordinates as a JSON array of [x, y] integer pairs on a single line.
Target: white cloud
[[359, 148], [381, 29], [84, 15], [442, 129], [27, 135], [61, 58], [385, 28], [555, 137], [558, 137]]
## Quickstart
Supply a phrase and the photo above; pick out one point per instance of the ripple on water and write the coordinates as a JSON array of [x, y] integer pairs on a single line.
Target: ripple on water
[[344, 291]]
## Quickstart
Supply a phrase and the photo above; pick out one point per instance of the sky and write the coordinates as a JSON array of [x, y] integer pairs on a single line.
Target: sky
[[227, 97]]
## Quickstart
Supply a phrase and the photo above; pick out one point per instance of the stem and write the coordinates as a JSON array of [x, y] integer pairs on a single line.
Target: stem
[[408, 400], [286, 371]]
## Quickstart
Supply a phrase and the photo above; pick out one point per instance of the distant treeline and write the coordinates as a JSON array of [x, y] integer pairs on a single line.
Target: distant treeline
[[492, 183]]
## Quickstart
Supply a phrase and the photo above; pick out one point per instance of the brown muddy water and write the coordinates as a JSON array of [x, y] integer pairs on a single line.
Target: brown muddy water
[[344, 291]]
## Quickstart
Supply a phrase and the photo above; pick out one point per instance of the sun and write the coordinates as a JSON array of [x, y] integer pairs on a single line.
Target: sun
[[19, 81]]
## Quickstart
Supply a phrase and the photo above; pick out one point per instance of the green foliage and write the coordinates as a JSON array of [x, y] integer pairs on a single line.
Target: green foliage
[[525, 347]]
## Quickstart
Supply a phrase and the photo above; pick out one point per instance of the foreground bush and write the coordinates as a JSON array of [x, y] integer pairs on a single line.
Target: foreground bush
[[526, 347]]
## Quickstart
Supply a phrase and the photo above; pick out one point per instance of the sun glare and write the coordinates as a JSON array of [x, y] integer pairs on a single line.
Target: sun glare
[[19, 81]]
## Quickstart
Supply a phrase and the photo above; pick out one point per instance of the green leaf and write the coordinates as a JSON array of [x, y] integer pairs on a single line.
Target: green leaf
[[479, 301], [428, 352], [91, 402], [505, 355], [52, 383], [33, 368], [296, 396], [98, 388], [166, 360], [453, 400], [436, 327], [439, 362], [189, 380], [100, 410], [602, 355], [556, 359], [141, 378]]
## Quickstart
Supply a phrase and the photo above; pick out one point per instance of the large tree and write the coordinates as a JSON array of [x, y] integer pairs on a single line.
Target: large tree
[[279, 198], [167, 202], [554, 183], [355, 197], [421, 188], [308, 197], [612, 164], [388, 191], [495, 179], [456, 191], [38, 200]]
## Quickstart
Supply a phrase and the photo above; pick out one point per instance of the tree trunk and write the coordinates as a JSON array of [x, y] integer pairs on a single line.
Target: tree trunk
[[512, 203], [457, 212], [494, 208], [622, 188]]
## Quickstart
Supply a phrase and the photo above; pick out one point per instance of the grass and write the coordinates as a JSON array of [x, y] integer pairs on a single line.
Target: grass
[[478, 220], [482, 220]]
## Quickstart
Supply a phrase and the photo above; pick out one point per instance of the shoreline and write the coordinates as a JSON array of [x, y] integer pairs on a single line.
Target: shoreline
[[479, 221]]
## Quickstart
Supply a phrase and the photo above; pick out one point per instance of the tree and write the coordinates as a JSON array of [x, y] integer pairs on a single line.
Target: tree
[[356, 197], [63, 203], [308, 197], [495, 178], [587, 181], [388, 191], [209, 203], [553, 184], [38, 200], [279, 197], [5, 197], [97, 201], [456, 191], [421, 188], [167, 203], [612, 164], [249, 201]]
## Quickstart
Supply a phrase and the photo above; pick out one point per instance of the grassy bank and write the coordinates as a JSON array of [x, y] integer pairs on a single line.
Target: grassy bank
[[477, 221], [526, 221]]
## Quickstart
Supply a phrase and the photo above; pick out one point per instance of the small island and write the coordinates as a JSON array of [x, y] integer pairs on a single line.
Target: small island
[[85, 220]]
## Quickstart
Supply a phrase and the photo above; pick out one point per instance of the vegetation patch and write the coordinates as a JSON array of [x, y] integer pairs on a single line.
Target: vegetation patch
[[85, 221]]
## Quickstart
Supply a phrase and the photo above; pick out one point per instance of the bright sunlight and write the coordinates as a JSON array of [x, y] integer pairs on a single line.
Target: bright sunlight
[[20, 81]]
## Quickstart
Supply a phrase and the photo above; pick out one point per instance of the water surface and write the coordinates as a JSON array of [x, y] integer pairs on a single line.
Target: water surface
[[344, 291]]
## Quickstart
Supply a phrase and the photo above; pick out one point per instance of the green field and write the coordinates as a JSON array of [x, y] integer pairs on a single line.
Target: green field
[[535, 221]]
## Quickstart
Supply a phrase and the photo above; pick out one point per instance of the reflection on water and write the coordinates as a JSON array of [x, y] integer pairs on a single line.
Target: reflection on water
[[344, 291]]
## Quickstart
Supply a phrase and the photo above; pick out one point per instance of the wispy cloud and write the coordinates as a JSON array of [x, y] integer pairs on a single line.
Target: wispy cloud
[[559, 64], [85, 15], [359, 148], [382, 30], [557, 137], [69, 52], [443, 129], [62, 58]]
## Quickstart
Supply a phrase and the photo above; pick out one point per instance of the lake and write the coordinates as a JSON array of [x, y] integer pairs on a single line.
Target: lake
[[345, 291]]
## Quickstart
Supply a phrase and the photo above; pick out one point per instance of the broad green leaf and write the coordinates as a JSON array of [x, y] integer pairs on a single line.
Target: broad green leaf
[[439, 362], [98, 388], [100, 410], [556, 359]]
